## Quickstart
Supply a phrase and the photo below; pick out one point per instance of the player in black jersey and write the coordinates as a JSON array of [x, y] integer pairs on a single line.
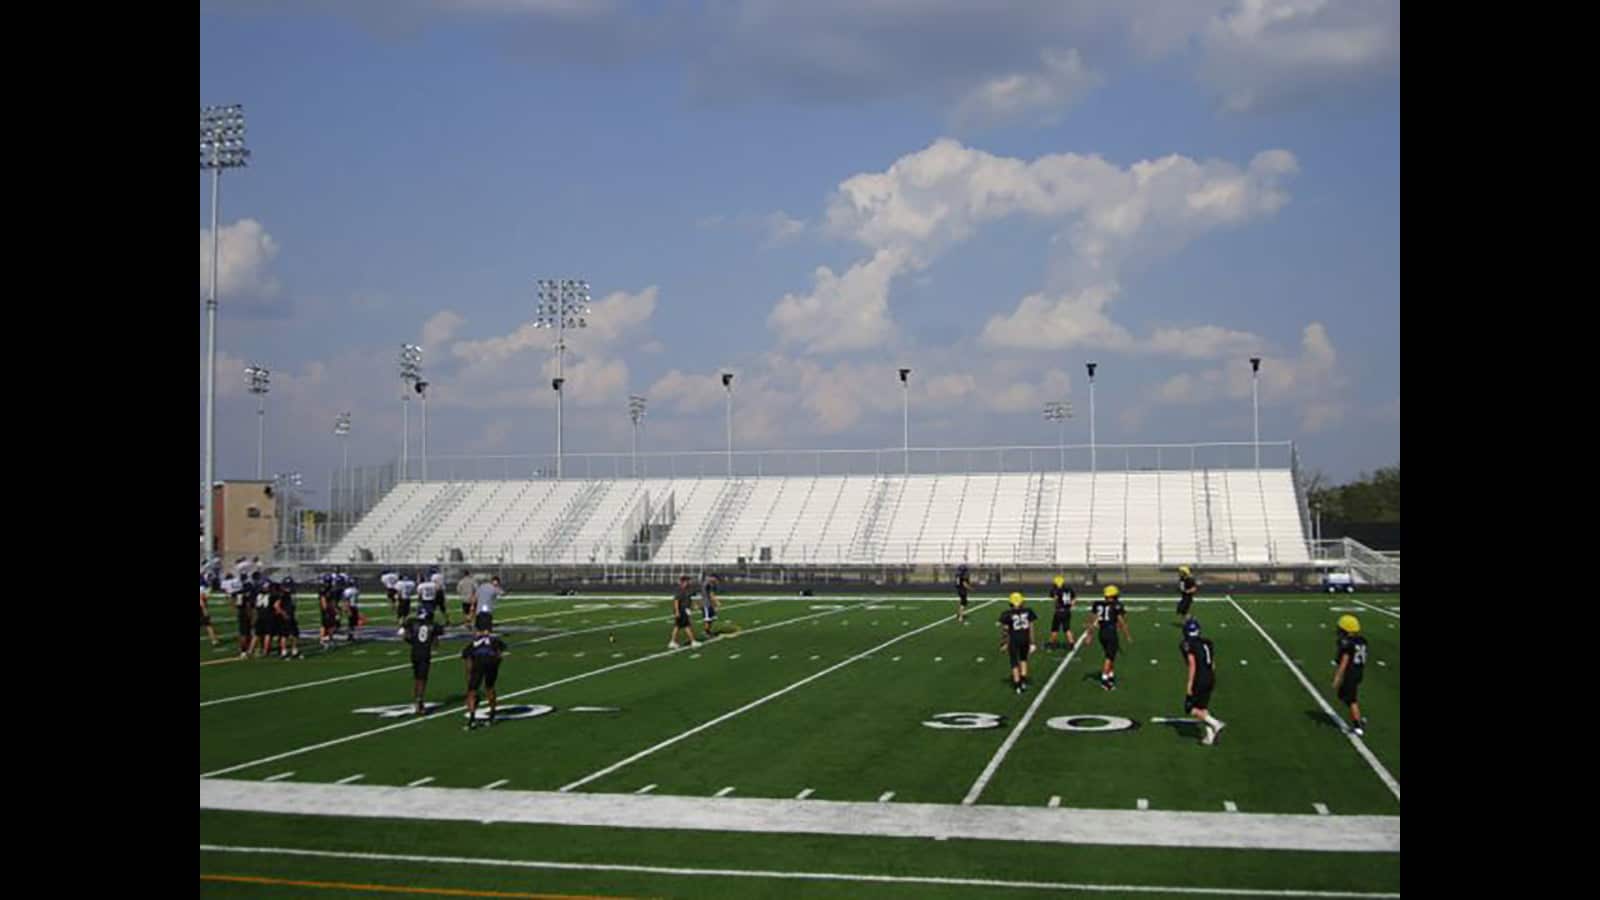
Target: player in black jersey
[[288, 627], [328, 603], [709, 604], [1016, 636], [1061, 619], [262, 620], [1200, 656], [682, 606], [423, 636], [1352, 657], [1187, 588], [963, 582], [482, 656], [1109, 615]]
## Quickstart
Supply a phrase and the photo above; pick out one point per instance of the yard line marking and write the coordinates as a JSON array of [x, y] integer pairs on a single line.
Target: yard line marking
[[896, 659], [753, 704], [351, 778], [1055, 801], [296, 687], [383, 888], [1360, 745], [787, 874], [278, 777], [1011, 739], [218, 662], [1322, 810], [420, 781], [724, 792], [938, 659], [494, 784], [804, 794], [734, 656], [1375, 608], [646, 789], [616, 655], [773, 656], [406, 723], [816, 657], [886, 796], [578, 654], [1142, 803], [1230, 806]]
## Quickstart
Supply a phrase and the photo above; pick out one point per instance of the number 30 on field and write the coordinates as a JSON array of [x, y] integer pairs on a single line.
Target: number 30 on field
[[1080, 724]]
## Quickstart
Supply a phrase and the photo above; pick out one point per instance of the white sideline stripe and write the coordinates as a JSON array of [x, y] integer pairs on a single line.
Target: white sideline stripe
[[540, 687], [1035, 824], [278, 777], [646, 789], [420, 781], [886, 796], [799, 876], [350, 778], [1322, 809], [1011, 739], [805, 793], [494, 784], [1055, 801], [724, 792], [1376, 608], [1230, 806], [1142, 803], [296, 687], [753, 704], [1360, 745]]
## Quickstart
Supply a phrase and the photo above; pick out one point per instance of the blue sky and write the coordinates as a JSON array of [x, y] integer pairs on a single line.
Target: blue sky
[[810, 194]]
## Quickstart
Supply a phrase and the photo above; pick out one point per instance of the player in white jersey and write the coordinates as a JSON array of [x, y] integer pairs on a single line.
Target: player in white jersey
[[352, 611], [389, 580], [404, 591], [431, 598]]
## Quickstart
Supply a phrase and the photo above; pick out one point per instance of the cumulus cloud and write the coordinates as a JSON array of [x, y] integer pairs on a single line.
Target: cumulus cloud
[[244, 252], [842, 312], [1264, 52], [1310, 381], [439, 329], [1203, 342], [1041, 95]]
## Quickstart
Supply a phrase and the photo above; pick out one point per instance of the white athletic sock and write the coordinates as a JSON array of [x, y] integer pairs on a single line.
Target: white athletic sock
[[1213, 721]]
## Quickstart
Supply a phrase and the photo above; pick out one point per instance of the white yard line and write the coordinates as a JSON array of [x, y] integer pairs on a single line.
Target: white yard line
[[646, 789], [886, 796], [406, 723], [1142, 803], [1360, 745], [351, 778], [494, 784], [805, 793], [1230, 806], [295, 687], [1321, 808], [1375, 608], [278, 777], [1055, 801], [1016, 732], [724, 792], [420, 781], [754, 703], [1033, 824]]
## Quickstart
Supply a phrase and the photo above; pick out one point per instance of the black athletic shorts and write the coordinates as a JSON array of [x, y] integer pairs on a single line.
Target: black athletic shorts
[[330, 618], [419, 667], [1108, 642], [484, 621], [466, 608], [1348, 688], [483, 675], [205, 618], [1201, 698], [288, 626], [1184, 603], [355, 619], [682, 621], [961, 593], [1061, 621], [244, 619], [405, 607], [263, 622], [1019, 650]]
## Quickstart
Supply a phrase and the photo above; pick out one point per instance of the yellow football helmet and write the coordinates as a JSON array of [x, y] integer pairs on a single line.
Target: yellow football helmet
[[1350, 624], [1111, 591], [1183, 570], [1016, 599], [1060, 580]]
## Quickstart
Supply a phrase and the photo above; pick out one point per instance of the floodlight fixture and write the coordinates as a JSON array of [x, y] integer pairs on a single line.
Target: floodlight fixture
[[563, 304]]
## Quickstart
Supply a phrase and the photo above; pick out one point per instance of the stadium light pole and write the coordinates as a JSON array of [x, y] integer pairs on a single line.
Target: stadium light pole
[[221, 147], [905, 414], [1093, 467], [727, 386], [259, 380], [1059, 411], [563, 304], [635, 412], [422, 391], [1255, 404], [341, 429], [410, 373]]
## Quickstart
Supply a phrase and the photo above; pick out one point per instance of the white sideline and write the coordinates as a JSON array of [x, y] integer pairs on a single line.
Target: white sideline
[[1034, 824], [1375, 608], [1360, 745], [759, 701], [539, 687], [1016, 732], [549, 637]]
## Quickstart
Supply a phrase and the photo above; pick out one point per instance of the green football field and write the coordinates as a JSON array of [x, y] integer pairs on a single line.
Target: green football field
[[850, 746]]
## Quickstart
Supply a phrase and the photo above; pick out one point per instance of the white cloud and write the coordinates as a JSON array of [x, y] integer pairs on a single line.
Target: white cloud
[[1310, 381], [1203, 342], [782, 227], [1261, 52], [842, 312], [244, 250], [1042, 323], [1061, 80], [439, 329]]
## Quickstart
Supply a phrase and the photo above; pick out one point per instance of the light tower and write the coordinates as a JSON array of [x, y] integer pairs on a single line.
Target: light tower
[[259, 380], [341, 430], [727, 386], [410, 373], [422, 391], [563, 304], [221, 147], [905, 415], [1059, 411], [1255, 404], [1093, 467], [636, 412]]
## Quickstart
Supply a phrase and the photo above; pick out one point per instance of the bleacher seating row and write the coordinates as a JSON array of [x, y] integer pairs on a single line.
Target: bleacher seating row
[[1071, 518]]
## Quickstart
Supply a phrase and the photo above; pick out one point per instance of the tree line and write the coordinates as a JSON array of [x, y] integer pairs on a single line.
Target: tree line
[[1369, 498]]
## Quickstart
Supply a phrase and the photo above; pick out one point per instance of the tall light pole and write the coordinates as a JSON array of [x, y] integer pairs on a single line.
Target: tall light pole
[[1093, 467], [1255, 403], [410, 373], [221, 147], [422, 391], [727, 386], [341, 429], [563, 304], [259, 380], [1059, 411], [905, 414], [635, 412]]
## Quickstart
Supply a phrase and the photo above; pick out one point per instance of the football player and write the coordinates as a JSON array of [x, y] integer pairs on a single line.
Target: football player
[[1352, 657], [682, 605], [243, 610], [708, 606], [328, 603], [467, 589], [963, 582], [405, 587], [256, 594], [483, 604], [1186, 591], [288, 627], [430, 597], [1016, 635], [1061, 620], [1200, 656], [1109, 615], [352, 609], [482, 656], [389, 580], [205, 614], [423, 636]]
